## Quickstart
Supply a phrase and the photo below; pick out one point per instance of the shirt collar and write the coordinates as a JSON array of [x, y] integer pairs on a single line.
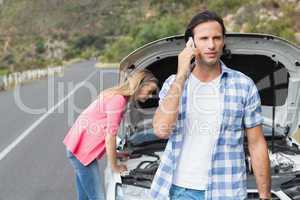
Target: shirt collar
[[224, 69]]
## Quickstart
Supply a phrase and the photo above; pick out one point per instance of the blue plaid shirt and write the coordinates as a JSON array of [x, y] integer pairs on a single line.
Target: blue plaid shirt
[[227, 175]]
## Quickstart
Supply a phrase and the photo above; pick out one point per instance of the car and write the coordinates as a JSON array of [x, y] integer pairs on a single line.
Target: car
[[273, 64]]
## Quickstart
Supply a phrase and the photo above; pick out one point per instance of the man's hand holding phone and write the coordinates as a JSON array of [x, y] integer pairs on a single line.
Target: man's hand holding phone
[[184, 59]]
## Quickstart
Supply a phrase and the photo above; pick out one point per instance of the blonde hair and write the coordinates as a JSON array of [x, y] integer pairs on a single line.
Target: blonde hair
[[133, 83]]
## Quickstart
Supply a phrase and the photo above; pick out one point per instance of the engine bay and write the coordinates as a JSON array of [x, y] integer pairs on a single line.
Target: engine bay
[[143, 158]]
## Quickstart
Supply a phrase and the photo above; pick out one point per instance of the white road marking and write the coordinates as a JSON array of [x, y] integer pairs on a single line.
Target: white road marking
[[12, 145]]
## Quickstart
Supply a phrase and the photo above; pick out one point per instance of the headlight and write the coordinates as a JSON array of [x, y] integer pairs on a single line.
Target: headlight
[[131, 192], [293, 192]]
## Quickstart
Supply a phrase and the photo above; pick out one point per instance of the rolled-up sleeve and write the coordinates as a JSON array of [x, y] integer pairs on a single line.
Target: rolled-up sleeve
[[252, 115], [114, 110], [165, 88]]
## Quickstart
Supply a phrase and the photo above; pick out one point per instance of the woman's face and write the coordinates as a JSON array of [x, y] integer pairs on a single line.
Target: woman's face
[[145, 92]]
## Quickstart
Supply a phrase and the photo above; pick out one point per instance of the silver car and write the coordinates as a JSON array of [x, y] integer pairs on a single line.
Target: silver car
[[272, 63]]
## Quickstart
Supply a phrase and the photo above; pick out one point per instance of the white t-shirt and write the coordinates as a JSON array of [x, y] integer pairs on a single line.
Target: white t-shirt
[[201, 131]]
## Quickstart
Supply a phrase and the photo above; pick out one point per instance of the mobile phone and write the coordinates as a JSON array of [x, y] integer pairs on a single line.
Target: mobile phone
[[192, 63], [193, 43]]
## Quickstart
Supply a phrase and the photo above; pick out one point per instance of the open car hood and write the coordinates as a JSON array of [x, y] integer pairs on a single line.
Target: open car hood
[[273, 64]]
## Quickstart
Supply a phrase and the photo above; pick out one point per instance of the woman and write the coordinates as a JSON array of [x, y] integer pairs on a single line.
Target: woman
[[94, 132]]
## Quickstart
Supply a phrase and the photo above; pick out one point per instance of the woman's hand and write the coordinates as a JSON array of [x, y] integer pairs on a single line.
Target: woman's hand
[[119, 168], [110, 143]]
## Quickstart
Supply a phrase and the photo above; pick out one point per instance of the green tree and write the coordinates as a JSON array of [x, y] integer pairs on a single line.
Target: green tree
[[40, 46]]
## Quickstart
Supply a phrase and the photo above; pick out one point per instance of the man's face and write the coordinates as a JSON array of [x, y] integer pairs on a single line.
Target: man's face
[[209, 42]]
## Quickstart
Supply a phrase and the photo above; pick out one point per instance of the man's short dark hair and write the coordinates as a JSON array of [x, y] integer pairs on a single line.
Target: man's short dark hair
[[202, 17]]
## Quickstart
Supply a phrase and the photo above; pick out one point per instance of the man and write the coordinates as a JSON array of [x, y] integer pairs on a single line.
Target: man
[[205, 110]]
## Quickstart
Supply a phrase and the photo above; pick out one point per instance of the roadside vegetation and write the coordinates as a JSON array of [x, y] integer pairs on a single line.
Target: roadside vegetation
[[43, 33]]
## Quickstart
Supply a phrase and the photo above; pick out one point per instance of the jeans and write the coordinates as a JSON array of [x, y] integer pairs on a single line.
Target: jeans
[[88, 179], [181, 193]]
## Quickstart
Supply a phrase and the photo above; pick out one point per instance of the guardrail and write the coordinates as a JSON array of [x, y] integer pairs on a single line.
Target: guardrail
[[16, 78]]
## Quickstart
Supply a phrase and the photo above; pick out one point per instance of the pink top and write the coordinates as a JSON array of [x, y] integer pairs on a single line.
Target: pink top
[[86, 138]]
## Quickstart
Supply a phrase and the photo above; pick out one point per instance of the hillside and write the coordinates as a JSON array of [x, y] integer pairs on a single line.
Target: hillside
[[38, 33]]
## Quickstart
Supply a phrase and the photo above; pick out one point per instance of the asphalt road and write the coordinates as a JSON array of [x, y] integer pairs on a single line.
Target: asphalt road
[[34, 120]]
